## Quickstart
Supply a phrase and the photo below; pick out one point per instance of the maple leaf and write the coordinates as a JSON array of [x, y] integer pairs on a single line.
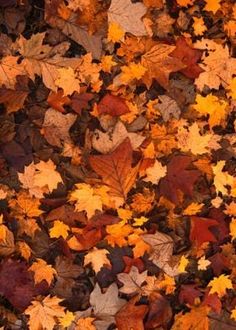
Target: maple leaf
[[220, 285], [160, 64], [196, 319], [132, 281], [193, 209], [222, 179], [112, 105], [9, 70], [200, 232], [116, 171], [183, 264], [155, 173], [86, 199], [115, 32], [178, 178], [232, 227], [13, 99], [203, 263], [212, 5], [25, 206], [188, 294], [59, 229], [107, 142], [132, 314], [7, 244], [213, 106], [128, 15], [58, 100], [187, 140], [43, 314], [162, 250], [42, 271], [217, 64], [67, 319], [85, 323], [46, 175], [98, 258], [189, 56], [67, 81]]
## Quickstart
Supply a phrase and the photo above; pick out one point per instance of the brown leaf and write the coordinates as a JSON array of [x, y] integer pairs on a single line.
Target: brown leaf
[[58, 100], [115, 169], [80, 101], [67, 214], [132, 314], [160, 312]]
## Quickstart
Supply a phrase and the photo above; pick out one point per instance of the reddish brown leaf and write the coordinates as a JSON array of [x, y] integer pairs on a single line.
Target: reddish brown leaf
[[58, 100], [200, 232], [67, 214], [112, 105], [80, 101], [131, 316], [213, 301], [219, 263], [178, 178], [160, 312], [115, 169], [129, 262], [189, 56], [188, 294]]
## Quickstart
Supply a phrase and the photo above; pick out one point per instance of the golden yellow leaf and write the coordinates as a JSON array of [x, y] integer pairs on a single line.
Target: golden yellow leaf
[[232, 88], [86, 199], [42, 271], [233, 314], [44, 314], [183, 264], [25, 206], [185, 3], [193, 208], [68, 81], [67, 319], [139, 221], [115, 32], [59, 229], [140, 247], [214, 106], [195, 319], [107, 63], [117, 234], [222, 179], [98, 258], [131, 71], [220, 285]]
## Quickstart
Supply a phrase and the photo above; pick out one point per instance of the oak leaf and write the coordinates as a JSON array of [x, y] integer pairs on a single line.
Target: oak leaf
[[128, 15], [116, 171], [43, 314], [42, 271]]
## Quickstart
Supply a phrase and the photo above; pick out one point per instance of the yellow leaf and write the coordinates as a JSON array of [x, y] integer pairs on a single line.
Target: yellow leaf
[[168, 284], [86, 199], [107, 63], [98, 258], [85, 323], [59, 229], [183, 264], [139, 221], [220, 285], [43, 314], [199, 26], [232, 88], [140, 247], [212, 5], [193, 208], [67, 319], [212, 105], [42, 271], [68, 81], [25, 206], [232, 227], [117, 234], [115, 32], [233, 314], [195, 319], [155, 173], [124, 214], [222, 179], [132, 71]]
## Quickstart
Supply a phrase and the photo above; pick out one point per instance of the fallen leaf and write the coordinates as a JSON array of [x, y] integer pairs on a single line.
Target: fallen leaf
[[200, 232], [42, 271], [220, 285], [132, 281], [112, 105], [128, 15], [98, 259]]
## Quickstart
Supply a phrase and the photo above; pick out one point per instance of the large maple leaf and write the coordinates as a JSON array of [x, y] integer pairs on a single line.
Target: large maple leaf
[[178, 178], [116, 171]]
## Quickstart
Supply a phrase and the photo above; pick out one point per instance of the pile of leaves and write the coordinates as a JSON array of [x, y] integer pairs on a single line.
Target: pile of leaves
[[117, 164]]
